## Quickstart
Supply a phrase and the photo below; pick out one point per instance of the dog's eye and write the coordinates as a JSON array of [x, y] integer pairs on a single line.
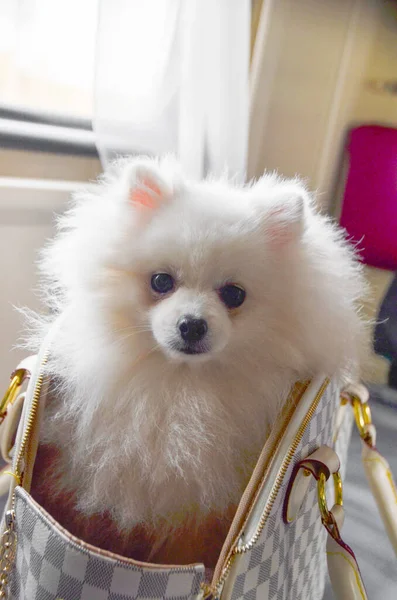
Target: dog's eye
[[232, 295], [162, 283]]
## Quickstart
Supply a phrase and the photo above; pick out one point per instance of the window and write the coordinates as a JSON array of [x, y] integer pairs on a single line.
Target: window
[[47, 53]]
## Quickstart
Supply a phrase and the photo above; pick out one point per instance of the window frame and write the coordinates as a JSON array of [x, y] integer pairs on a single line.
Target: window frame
[[24, 129]]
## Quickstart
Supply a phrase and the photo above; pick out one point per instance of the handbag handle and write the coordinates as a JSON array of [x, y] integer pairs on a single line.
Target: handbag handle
[[343, 569], [376, 467]]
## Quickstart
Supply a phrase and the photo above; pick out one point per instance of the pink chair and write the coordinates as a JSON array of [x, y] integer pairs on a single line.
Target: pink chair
[[369, 210]]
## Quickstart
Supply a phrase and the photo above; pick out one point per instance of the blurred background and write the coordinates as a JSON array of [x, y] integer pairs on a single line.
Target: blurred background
[[304, 87]]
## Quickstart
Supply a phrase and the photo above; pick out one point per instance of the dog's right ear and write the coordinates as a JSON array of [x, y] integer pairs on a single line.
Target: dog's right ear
[[282, 205], [147, 190]]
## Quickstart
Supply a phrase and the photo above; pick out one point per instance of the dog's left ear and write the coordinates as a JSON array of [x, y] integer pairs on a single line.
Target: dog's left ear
[[147, 189], [284, 213]]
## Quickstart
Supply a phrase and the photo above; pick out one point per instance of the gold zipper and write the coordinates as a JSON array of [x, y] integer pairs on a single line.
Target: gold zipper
[[31, 419], [214, 589]]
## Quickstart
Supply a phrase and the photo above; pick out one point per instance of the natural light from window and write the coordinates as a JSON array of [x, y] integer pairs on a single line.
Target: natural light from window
[[47, 55]]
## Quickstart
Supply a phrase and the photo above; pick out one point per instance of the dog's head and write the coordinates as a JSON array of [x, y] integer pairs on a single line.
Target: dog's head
[[194, 270]]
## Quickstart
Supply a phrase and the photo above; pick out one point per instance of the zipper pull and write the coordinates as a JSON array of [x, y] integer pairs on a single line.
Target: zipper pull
[[10, 520]]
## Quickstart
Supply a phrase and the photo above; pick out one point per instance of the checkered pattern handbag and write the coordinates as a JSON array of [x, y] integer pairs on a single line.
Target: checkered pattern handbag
[[275, 548], [50, 564], [288, 560]]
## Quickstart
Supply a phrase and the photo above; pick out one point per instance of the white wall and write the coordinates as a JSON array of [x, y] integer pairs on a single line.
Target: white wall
[[34, 187], [45, 165], [313, 53], [373, 106], [27, 212], [24, 225]]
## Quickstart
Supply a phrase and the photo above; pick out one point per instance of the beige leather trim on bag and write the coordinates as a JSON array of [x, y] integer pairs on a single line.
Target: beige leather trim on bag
[[382, 485], [9, 427], [343, 569]]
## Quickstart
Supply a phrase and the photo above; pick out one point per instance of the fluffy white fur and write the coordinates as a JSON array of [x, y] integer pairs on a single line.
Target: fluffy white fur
[[145, 432]]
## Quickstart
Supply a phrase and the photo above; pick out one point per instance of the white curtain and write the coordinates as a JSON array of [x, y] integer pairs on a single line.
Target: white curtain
[[156, 76], [172, 77]]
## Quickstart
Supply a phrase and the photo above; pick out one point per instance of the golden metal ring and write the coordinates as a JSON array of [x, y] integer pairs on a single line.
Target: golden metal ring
[[12, 391], [322, 496], [362, 415], [338, 488]]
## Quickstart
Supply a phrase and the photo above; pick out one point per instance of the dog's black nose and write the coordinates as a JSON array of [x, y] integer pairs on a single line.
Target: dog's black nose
[[192, 330]]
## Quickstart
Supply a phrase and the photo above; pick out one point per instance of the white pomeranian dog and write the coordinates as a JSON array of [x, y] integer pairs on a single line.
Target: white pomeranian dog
[[188, 312]]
